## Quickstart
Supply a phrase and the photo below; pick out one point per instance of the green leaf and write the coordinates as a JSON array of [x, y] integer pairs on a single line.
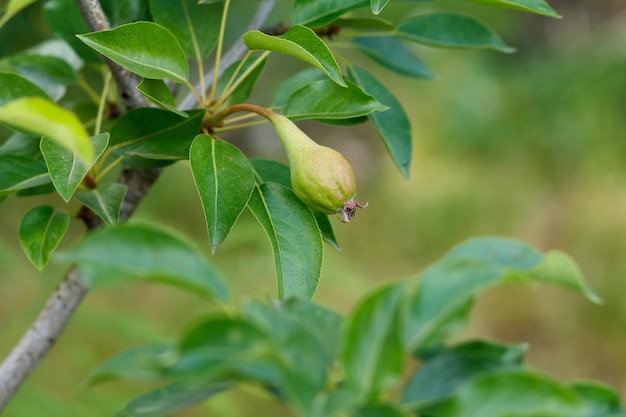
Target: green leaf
[[66, 169], [393, 125], [517, 393], [224, 180], [221, 345], [42, 117], [120, 12], [248, 76], [317, 13], [324, 99], [305, 354], [534, 6], [554, 267], [11, 8], [58, 48], [451, 30], [272, 171], [65, 21], [157, 92], [172, 398], [299, 42], [559, 268], [445, 370], [105, 201], [49, 73], [372, 355], [155, 134], [20, 144], [12, 87], [292, 84], [378, 5], [599, 400], [20, 173], [146, 362], [195, 26], [40, 232], [294, 236], [379, 410], [440, 305], [126, 253], [145, 48], [393, 54]]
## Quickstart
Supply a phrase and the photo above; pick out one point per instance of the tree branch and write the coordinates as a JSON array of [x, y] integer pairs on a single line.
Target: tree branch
[[49, 325]]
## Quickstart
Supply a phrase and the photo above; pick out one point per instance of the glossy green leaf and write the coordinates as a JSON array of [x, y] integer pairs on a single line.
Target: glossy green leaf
[[19, 144], [439, 306], [317, 13], [324, 99], [13, 86], [294, 236], [12, 7], [393, 54], [145, 48], [66, 169], [40, 232], [372, 355], [272, 171], [105, 201], [445, 370], [38, 116], [195, 26], [599, 400], [157, 92], [299, 42], [517, 393], [21, 173], [146, 362], [292, 84], [172, 398], [65, 21], [247, 78], [534, 6], [393, 125], [155, 134], [378, 5], [224, 180], [49, 73], [451, 30], [127, 253]]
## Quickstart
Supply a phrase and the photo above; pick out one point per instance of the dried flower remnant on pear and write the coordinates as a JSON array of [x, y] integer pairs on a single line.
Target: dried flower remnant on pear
[[320, 176]]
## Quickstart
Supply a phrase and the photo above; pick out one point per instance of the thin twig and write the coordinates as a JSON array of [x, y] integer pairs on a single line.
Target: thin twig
[[235, 52]]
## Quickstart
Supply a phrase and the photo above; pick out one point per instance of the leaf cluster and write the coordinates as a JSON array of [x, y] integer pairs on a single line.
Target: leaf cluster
[[303, 354]]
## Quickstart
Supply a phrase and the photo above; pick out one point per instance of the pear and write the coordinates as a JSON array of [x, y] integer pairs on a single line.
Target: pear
[[320, 176]]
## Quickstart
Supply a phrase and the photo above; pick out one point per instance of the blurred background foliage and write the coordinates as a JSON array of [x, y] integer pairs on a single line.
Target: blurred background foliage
[[529, 145]]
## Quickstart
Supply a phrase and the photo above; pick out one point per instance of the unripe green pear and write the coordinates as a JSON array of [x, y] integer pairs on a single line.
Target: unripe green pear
[[320, 176]]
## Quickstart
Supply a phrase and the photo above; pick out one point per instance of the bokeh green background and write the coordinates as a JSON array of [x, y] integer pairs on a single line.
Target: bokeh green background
[[529, 145]]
